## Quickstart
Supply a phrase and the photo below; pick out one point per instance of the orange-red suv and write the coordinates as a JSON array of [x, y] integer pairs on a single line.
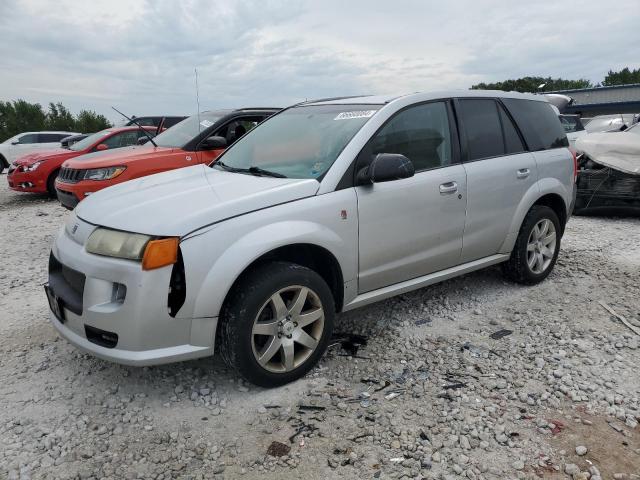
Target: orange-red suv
[[198, 139]]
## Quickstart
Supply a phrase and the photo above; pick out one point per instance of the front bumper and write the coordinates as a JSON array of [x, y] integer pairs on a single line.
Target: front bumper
[[145, 333], [67, 199], [26, 181]]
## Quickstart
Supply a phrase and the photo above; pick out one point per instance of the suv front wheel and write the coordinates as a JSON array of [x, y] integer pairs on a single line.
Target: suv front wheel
[[276, 324], [537, 246]]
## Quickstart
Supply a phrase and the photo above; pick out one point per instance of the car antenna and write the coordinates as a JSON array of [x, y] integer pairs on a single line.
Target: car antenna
[[195, 69], [139, 126]]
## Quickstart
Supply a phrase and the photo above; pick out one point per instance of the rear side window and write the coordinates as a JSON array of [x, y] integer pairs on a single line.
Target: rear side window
[[482, 127], [123, 139], [512, 141], [538, 123], [420, 133], [171, 121], [50, 137]]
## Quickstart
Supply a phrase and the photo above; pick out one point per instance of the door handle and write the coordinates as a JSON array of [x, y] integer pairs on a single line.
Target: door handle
[[523, 173], [448, 188]]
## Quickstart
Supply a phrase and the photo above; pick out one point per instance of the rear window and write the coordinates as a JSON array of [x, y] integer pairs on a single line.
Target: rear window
[[571, 123], [538, 123]]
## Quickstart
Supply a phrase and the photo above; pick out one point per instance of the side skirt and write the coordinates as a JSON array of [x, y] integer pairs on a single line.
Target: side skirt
[[424, 281]]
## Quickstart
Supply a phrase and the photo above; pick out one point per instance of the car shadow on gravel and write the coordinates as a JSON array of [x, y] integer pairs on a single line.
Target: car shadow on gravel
[[25, 199]]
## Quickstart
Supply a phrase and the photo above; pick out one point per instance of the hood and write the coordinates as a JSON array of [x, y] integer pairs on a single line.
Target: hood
[[617, 150], [178, 202], [54, 153], [118, 156]]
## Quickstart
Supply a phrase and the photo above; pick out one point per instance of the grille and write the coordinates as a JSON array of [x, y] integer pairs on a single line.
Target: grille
[[70, 175]]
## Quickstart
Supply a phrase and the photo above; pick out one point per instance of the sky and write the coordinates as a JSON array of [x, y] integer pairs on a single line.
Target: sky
[[140, 56]]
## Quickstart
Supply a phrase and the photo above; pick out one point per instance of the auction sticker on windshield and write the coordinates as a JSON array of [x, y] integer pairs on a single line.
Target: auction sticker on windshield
[[356, 114], [206, 123]]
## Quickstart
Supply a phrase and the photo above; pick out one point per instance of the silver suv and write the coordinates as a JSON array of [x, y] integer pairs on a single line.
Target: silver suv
[[325, 207]]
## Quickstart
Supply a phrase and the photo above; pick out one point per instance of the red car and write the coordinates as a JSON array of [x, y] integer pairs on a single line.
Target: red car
[[37, 172], [198, 139]]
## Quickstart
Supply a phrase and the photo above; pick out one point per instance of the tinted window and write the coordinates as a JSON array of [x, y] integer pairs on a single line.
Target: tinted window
[[538, 123], [512, 141], [238, 127], [185, 131], [171, 121], [145, 122], [50, 137], [482, 127], [123, 139], [420, 133], [28, 138]]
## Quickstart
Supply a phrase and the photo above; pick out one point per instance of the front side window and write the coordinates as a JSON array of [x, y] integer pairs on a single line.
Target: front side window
[[538, 123], [482, 126], [89, 141], [28, 139], [301, 142], [182, 133], [420, 133], [123, 139], [237, 128]]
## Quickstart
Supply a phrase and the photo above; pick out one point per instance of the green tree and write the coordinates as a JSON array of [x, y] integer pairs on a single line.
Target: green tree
[[20, 116], [623, 77], [89, 121], [59, 118], [531, 84]]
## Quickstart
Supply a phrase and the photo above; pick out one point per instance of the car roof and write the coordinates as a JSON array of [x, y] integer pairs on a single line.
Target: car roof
[[422, 96], [49, 131]]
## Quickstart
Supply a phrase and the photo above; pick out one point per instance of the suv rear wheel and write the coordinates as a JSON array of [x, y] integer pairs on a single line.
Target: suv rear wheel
[[537, 246], [276, 324]]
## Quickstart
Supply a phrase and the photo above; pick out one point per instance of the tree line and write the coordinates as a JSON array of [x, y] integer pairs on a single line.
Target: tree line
[[21, 116], [533, 84]]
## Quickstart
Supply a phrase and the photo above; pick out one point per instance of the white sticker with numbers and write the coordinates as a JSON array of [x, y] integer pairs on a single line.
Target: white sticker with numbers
[[356, 114]]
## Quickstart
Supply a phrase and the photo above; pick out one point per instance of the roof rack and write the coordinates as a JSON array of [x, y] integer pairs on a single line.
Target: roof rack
[[257, 108]]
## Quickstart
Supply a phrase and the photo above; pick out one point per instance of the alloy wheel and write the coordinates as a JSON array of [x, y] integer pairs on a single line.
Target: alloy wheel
[[287, 329], [541, 246]]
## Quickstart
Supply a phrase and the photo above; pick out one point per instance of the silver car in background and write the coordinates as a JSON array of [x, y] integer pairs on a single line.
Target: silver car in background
[[325, 207]]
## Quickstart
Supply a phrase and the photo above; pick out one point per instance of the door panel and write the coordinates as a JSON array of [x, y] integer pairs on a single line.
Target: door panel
[[409, 228], [495, 187]]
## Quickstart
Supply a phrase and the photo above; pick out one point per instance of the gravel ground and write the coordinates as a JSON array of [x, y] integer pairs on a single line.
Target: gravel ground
[[430, 395]]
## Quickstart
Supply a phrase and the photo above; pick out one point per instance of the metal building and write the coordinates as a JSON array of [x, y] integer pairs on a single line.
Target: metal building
[[589, 102]]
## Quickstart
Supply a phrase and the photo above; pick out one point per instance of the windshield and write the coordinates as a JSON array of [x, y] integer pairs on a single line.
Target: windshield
[[90, 140], [186, 130], [302, 142]]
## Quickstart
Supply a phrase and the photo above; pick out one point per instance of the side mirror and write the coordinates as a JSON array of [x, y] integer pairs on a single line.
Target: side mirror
[[17, 142], [142, 140], [213, 143], [102, 146], [385, 167]]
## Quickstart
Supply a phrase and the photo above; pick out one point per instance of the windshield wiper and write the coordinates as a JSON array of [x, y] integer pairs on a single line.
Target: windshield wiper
[[252, 170]]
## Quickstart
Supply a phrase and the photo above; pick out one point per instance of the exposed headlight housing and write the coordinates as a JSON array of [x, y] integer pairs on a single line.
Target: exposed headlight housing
[[103, 173], [33, 166], [151, 251]]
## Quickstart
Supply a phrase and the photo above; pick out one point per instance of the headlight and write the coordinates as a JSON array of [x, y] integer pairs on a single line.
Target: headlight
[[32, 167], [103, 173], [153, 252], [114, 243]]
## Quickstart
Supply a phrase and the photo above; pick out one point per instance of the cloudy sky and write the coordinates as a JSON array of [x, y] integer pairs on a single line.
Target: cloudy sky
[[140, 55]]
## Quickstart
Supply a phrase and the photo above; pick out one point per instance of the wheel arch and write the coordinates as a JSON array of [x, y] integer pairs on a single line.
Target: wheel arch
[[309, 255]]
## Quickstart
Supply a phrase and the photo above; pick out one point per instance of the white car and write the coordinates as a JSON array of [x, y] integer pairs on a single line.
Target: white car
[[28, 142], [324, 207]]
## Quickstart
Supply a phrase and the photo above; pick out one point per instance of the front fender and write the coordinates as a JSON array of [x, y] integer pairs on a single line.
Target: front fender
[[243, 252]]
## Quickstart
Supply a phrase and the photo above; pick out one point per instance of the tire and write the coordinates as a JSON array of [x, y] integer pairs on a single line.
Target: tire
[[530, 262], [51, 184], [253, 301], [3, 164]]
